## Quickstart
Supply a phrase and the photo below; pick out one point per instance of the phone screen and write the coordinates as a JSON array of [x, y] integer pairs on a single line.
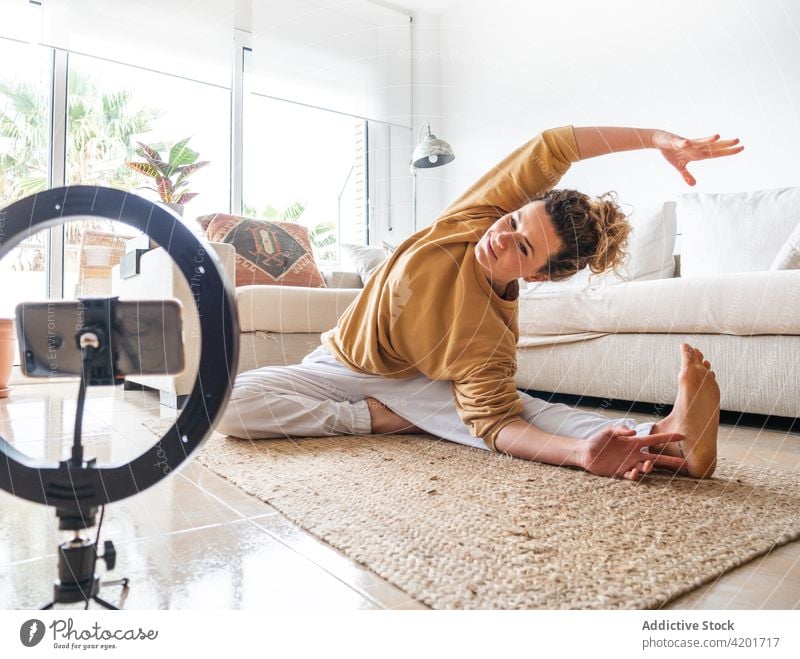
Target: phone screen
[[145, 337]]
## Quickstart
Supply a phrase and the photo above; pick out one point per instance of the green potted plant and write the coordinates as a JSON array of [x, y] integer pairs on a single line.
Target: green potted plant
[[171, 175]]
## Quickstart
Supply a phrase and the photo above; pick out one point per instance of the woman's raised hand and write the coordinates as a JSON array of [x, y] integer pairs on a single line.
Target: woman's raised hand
[[680, 151]]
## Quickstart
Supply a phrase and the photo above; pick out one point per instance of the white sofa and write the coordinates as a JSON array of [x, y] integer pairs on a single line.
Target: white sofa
[[610, 338]]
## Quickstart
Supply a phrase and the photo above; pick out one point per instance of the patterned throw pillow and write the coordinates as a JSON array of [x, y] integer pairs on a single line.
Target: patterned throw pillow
[[276, 253], [204, 221]]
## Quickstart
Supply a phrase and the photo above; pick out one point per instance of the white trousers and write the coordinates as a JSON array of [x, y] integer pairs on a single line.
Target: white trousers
[[321, 397]]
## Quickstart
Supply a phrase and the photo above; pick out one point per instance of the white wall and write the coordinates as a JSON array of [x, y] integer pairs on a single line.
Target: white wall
[[510, 69], [427, 106]]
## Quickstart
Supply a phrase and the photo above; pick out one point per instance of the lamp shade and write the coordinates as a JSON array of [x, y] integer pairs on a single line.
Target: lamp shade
[[431, 151]]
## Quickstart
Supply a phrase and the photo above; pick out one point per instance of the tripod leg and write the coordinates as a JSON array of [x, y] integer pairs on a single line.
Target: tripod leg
[[117, 582], [102, 602]]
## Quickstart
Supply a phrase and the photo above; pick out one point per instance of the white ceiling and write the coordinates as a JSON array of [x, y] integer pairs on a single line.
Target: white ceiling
[[430, 6]]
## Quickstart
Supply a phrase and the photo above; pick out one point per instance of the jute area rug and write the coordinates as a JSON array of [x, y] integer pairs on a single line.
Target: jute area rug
[[461, 528]]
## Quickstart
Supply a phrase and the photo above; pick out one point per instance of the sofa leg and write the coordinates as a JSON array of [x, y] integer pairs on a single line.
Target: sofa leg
[[171, 399]]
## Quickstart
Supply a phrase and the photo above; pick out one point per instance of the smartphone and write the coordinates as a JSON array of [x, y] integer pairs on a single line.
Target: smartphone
[[138, 337]]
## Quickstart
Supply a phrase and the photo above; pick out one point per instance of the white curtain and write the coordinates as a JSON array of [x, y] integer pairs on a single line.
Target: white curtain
[[346, 55], [190, 38]]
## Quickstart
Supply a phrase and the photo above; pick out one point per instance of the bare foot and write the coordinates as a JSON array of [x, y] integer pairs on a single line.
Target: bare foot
[[385, 422], [695, 414]]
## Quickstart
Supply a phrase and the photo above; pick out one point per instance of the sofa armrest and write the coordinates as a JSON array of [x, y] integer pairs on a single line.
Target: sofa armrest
[[341, 279], [227, 256], [158, 278], [291, 309], [157, 268]]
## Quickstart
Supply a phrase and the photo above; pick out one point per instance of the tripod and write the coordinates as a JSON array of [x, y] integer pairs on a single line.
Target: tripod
[[77, 558]]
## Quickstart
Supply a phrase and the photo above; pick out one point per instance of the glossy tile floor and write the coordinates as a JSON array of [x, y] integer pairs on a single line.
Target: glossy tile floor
[[196, 541]]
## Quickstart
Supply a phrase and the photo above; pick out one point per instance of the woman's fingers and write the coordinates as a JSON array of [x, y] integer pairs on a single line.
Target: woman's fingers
[[725, 144], [718, 153], [660, 438], [671, 462], [704, 140], [631, 475]]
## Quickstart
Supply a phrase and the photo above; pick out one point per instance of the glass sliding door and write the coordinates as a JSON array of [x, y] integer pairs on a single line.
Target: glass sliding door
[[24, 162], [111, 107]]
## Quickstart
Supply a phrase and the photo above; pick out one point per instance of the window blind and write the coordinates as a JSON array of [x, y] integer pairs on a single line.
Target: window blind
[[351, 56], [189, 38]]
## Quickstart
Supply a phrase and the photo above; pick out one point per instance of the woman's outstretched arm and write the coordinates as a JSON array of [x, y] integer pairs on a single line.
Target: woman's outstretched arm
[[678, 151]]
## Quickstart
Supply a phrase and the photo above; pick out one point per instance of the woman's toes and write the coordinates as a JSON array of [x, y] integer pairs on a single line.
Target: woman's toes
[[706, 363]]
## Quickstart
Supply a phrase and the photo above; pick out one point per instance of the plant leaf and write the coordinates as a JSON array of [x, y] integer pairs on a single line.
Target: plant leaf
[[148, 152], [144, 168], [186, 170], [187, 196], [294, 211], [160, 165], [164, 189], [180, 155]]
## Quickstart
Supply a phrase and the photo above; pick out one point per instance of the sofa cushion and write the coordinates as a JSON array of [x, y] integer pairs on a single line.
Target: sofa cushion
[[291, 309], [742, 304], [735, 232], [273, 253], [788, 257], [366, 259]]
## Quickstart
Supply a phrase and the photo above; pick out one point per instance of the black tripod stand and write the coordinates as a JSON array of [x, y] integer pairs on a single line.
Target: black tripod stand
[[77, 558]]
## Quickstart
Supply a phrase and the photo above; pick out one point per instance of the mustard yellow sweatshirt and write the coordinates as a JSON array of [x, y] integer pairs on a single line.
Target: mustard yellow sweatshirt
[[430, 308]]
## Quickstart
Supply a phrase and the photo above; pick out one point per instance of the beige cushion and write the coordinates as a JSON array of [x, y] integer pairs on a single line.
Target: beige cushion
[[788, 258], [740, 304], [734, 232], [649, 255], [366, 259], [291, 308]]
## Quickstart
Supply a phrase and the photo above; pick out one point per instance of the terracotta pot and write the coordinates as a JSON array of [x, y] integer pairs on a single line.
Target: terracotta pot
[[6, 353]]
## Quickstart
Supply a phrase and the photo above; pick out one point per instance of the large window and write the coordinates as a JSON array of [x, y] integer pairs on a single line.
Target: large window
[[71, 113], [306, 165], [345, 178], [24, 157], [111, 107]]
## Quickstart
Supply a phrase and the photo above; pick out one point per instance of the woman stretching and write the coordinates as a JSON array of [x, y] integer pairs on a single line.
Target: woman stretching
[[429, 345]]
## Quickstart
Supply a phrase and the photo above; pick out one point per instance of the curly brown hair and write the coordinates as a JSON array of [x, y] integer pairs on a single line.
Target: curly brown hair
[[594, 232]]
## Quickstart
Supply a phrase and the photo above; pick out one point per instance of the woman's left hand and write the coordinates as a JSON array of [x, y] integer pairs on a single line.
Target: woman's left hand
[[680, 151]]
